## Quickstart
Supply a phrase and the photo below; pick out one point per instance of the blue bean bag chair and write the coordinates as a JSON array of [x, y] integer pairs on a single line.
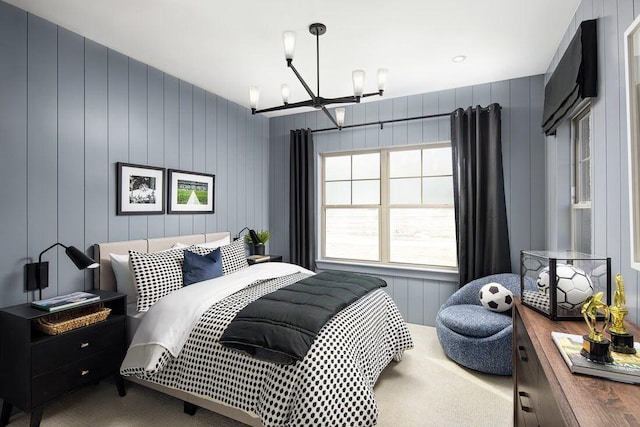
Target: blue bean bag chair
[[474, 336]]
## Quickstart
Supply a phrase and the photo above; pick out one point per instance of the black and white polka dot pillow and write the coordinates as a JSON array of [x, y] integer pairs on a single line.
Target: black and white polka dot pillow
[[234, 257], [156, 275]]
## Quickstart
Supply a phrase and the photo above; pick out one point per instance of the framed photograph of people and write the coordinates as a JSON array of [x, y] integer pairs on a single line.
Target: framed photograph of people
[[140, 189], [190, 192]]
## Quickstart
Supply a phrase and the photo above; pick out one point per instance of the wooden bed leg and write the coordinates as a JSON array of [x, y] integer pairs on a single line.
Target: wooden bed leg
[[190, 408]]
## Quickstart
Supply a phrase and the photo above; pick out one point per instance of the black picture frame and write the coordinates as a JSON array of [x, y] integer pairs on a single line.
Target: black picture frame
[[190, 192], [140, 189]]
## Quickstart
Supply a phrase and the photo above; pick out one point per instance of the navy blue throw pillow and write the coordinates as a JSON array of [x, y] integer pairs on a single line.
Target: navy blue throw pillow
[[197, 268]]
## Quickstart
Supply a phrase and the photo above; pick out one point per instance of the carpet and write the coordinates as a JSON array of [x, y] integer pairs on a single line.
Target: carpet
[[424, 389]]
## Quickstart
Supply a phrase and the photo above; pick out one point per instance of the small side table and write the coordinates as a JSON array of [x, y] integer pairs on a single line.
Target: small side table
[[272, 258]]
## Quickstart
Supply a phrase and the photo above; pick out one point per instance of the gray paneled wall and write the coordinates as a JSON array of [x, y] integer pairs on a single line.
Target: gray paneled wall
[[420, 295], [609, 179], [69, 110]]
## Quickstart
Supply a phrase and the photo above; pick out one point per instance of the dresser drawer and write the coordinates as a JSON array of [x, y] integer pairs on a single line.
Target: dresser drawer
[[57, 382], [77, 345]]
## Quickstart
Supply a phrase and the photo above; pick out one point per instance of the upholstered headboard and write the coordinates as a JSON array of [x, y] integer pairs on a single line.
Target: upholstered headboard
[[105, 279]]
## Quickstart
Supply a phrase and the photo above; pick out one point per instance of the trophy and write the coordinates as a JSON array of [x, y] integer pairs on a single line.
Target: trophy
[[594, 346], [621, 339]]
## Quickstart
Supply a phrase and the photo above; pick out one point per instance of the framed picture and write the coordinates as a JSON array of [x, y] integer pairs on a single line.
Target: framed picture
[[190, 192], [140, 190]]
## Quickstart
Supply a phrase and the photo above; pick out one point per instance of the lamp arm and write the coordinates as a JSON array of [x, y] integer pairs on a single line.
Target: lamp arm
[[50, 247], [330, 116]]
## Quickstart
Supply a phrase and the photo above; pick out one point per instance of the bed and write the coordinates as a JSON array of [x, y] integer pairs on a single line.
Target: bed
[[332, 385]]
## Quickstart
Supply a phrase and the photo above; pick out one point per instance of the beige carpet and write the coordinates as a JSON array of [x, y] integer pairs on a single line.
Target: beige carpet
[[425, 389]]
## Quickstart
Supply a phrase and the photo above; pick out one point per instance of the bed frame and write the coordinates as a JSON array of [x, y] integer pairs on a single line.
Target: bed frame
[[104, 278]]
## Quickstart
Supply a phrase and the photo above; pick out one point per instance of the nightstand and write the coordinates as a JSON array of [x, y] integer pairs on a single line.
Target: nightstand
[[272, 258], [37, 368]]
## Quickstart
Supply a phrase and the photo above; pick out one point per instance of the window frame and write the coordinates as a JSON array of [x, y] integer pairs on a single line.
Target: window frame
[[384, 207], [577, 172]]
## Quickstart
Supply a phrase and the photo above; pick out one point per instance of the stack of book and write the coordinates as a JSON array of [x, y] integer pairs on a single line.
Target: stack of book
[[624, 368], [62, 302], [258, 258]]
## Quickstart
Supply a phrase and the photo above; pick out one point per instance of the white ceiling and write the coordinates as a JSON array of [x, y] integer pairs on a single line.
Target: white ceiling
[[226, 46]]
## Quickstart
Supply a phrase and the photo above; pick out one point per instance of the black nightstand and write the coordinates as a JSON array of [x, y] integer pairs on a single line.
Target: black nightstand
[[272, 258], [37, 368]]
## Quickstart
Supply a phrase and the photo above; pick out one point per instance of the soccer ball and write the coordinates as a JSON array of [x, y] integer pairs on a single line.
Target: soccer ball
[[495, 297], [573, 285]]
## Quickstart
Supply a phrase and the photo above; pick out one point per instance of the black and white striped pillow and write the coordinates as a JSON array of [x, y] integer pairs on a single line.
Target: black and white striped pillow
[[156, 275]]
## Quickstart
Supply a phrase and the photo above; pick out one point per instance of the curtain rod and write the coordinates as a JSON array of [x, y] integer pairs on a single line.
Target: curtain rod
[[382, 122]]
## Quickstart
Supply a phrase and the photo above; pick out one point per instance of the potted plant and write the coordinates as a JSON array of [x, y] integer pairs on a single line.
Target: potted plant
[[257, 248]]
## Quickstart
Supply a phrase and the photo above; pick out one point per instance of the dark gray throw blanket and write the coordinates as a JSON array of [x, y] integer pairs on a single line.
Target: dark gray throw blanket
[[281, 326]]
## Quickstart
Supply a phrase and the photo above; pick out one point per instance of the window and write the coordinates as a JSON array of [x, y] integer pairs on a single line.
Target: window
[[391, 206], [581, 182]]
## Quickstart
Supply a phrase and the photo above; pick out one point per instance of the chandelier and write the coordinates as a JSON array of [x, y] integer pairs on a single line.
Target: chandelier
[[316, 101]]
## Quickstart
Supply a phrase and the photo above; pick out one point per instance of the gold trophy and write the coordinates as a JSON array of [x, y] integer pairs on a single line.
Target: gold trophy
[[594, 346], [621, 339]]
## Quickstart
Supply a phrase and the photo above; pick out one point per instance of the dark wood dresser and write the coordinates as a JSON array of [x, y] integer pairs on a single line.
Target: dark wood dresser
[[546, 393], [36, 368]]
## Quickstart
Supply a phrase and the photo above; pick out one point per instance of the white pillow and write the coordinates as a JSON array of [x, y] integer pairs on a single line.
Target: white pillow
[[216, 243], [124, 276]]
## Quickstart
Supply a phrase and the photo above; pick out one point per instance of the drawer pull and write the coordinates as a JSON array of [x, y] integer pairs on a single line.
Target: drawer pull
[[522, 354], [84, 345], [84, 372], [524, 408]]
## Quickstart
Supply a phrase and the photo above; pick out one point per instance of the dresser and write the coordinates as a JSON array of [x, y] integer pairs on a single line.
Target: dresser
[[37, 368], [546, 393]]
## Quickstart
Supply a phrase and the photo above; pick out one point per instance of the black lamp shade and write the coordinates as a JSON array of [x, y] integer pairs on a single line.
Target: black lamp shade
[[80, 259]]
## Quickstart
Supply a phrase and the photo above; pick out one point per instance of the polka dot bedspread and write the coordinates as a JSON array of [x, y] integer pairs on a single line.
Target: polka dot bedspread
[[331, 386]]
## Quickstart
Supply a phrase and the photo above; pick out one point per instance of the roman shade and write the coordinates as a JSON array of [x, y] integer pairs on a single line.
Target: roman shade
[[575, 77]]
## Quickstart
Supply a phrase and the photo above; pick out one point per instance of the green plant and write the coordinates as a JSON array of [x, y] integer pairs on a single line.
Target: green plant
[[263, 237]]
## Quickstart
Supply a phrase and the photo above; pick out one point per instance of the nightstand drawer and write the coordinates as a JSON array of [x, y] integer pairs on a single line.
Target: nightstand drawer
[[55, 383], [77, 345]]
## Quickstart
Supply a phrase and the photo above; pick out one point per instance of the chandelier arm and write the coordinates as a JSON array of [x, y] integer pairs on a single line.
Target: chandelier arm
[[330, 116], [341, 100], [306, 86], [379, 93], [286, 106]]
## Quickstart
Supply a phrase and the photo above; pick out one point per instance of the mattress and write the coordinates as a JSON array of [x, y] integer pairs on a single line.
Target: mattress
[[133, 320]]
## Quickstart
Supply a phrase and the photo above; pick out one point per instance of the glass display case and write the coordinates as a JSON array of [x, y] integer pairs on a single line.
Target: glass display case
[[557, 283]]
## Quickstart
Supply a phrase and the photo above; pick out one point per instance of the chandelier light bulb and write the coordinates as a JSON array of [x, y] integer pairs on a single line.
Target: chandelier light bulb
[[254, 96], [358, 83], [382, 78], [289, 41], [340, 116], [285, 93]]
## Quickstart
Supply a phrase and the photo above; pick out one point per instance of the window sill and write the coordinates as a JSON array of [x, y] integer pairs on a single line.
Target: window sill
[[390, 270]]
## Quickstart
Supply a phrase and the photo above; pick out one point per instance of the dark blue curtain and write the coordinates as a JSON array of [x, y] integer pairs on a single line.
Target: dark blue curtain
[[478, 180], [302, 241]]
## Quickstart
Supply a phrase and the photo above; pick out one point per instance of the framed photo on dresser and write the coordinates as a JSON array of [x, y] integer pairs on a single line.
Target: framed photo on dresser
[[190, 192], [140, 189]]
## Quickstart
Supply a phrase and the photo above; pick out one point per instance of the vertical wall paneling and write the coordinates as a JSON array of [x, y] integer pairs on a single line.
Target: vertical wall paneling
[[372, 113], [13, 162], [199, 148], [211, 148], [138, 127], [232, 165], [399, 130], [171, 142], [520, 207], [430, 126], [415, 304], [357, 117], [242, 169], [71, 180], [96, 151], [185, 137], [536, 165], [414, 127], [446, 104], [118, 131], [42, 144], [155, 138], [222, 175]]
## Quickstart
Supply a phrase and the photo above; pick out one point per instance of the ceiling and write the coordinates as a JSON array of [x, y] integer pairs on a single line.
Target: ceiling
[[226, 46]]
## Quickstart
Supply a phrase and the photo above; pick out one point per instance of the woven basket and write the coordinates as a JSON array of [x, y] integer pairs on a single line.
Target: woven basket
[[69, 320]]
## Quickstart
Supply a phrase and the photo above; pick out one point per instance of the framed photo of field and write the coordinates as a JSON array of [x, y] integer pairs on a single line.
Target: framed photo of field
[[190, 192], [140, 189]]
